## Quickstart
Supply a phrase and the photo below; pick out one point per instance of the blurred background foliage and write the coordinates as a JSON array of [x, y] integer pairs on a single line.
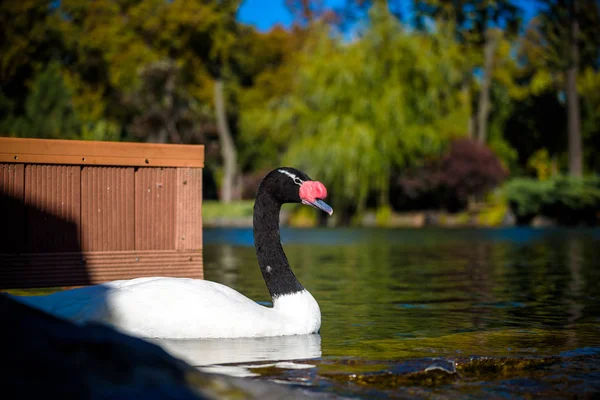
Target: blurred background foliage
[[395, 105]]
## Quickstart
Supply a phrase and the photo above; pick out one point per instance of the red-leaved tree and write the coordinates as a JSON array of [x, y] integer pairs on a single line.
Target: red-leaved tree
[[467, 170]]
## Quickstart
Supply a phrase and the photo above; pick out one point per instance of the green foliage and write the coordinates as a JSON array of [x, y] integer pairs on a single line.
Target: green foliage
[[165, 109], [358, 110], [383, 216], [574, 201], [589, 87], [545, 54], [552, 33], [101, 130], [495, 210], [303, 217], [49, 111], [568, 200], [212, 210], [542, 164], [502, 110], [527, 197]]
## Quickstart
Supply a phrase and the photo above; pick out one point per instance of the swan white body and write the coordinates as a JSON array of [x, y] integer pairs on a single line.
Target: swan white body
[[182, 308]]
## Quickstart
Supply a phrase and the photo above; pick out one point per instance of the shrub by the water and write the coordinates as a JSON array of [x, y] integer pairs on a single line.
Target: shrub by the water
[[569, 201], [526, 197], [467, 169], [470, 169]]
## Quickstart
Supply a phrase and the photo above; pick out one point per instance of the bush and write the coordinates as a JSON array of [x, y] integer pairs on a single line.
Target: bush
[[569, 201], [574, 201], [470, 169], [526, 198], [467, 169]]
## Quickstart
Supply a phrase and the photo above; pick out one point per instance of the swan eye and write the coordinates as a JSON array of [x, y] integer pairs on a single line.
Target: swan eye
[[297, 180]]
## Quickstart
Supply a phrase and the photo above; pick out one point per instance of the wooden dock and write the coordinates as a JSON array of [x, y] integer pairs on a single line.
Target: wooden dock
[[81, 212]]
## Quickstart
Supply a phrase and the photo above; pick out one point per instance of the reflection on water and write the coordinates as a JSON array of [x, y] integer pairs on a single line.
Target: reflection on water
[[226, 351], [395, 302]]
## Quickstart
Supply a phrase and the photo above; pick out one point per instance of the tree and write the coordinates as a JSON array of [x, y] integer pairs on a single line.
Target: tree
[[358, 111], [118, 37], [228, 150], [49, 111], [479, 26], [166, 112], [29, 40], [562, 40], [269, 67], [574, 114], [483, 108], [589, 88], [225, 35]]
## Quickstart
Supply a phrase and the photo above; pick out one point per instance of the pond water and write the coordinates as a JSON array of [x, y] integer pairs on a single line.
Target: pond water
[[448, 313]]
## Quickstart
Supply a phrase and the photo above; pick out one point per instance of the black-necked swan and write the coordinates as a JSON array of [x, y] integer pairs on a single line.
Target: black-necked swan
[[163, 307]]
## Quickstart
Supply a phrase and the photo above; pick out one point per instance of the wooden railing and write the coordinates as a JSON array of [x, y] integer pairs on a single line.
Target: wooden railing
[[79, 212]]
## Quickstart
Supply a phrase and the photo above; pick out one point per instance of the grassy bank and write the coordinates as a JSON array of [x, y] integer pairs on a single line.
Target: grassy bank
[[239, 214]]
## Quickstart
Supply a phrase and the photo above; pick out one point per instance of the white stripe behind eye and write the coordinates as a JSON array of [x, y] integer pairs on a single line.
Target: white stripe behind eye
[[297, 180]]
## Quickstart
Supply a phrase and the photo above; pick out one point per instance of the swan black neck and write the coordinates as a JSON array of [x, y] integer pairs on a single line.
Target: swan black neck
[[273, 263]]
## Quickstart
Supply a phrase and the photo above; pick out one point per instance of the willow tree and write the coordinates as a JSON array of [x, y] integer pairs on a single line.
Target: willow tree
[[479, 27], [359, 110]]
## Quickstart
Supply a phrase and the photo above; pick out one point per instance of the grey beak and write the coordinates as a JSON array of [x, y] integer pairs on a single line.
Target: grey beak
[[319, 205]]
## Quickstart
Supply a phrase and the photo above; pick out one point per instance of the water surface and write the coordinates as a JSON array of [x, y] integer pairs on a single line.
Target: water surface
[[420, 313]]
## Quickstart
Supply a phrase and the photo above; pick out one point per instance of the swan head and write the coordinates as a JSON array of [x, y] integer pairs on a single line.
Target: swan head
[[289, 185]]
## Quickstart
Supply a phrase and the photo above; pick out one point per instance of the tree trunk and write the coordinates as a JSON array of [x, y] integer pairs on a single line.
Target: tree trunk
[[384, 194], [483, 106], [227, 146], [573, 114], [169, 116], [466, 91], [171, 128], [158, 137], [471, 125]]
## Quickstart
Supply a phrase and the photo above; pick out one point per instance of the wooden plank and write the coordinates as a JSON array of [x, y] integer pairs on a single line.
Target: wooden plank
[[88, 268], [155, 208], [53, 206], [188, 219], [107, 209], [12, 217], [78, 152]]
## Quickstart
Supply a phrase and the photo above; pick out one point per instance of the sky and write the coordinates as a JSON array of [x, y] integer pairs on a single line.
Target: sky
[[264, 14]]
